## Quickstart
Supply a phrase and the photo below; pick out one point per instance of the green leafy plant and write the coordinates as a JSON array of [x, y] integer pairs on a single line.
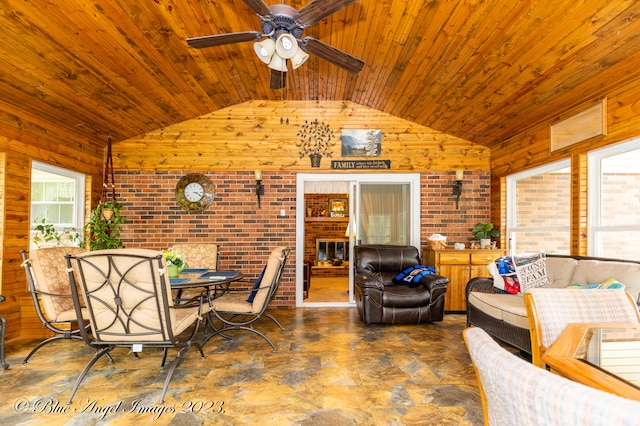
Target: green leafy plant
[[315, 139], [484, 230], [104, 226], [47, 234]]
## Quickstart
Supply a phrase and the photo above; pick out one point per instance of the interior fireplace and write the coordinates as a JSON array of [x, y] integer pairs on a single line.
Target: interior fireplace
[[328, 249]]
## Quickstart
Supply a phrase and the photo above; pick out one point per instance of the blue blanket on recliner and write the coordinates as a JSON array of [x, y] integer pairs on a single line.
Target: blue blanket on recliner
[[413, 274]]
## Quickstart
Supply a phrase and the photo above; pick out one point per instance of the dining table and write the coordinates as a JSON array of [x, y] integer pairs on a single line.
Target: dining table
[[212, 281]]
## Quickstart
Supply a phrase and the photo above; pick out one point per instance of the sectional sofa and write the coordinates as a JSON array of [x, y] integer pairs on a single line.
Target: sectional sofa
[[504, 316]]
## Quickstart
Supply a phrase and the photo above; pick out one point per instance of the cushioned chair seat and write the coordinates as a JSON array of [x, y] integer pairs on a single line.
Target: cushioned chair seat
[[506, 307], [234, 302]]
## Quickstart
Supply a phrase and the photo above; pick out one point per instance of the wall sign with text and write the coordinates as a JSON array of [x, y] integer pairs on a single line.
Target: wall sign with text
[[360, 164]]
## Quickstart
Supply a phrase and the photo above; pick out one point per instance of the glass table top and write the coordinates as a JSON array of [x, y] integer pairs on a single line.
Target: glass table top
[[613, 350]]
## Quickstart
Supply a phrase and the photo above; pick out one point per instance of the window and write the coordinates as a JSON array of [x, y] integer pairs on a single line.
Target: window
[[57, 196], [614, 192], [539, 209]]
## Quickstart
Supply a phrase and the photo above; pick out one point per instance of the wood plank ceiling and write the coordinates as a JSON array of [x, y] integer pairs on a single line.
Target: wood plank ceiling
[[482, 70]]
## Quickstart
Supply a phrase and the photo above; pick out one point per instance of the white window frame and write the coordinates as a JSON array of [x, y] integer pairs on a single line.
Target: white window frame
[[512, 229], [595, 226], [78, 210]]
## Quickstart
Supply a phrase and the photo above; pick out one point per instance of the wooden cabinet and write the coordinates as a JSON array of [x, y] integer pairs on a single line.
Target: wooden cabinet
[[459, 266]]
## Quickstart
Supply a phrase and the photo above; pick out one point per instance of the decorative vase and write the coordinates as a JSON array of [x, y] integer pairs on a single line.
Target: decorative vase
[[315, 160], [173, 271], [485, 243]]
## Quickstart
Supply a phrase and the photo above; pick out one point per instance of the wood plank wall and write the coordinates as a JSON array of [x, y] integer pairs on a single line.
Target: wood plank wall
[[17, 155], [249, 136], [531, 148]]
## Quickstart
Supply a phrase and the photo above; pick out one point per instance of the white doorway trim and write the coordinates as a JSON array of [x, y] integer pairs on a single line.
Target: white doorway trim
[[301, 178]]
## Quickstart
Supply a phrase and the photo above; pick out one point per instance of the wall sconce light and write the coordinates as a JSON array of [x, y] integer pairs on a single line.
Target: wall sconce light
[[457, 187], [259, 185]]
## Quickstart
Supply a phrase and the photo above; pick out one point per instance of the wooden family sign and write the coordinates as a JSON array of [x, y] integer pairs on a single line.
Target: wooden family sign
[[360, 164]]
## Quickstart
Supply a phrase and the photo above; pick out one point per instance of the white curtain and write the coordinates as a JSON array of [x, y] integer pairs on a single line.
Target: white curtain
[[384, 214]]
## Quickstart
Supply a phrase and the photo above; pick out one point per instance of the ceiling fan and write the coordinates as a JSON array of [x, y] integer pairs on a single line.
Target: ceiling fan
[[282, 26]]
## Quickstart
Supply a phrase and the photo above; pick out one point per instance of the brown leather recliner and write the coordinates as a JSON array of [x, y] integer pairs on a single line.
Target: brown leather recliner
[[380, 300]]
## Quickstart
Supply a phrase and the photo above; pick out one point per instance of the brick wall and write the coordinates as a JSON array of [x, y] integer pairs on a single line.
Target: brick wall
[[439, 214], [245, 234]]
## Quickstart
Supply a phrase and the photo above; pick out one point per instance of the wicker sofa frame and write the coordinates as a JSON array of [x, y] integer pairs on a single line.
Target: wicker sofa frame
[[517, 337]]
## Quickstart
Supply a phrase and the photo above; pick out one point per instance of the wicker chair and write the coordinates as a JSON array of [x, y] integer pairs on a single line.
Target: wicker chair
[[514, 392], [550, 310]]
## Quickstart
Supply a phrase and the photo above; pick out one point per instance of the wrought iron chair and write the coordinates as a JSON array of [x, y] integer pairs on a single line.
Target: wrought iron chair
[[549, 310], [197, 255], [50, 290], [128, 303], [514, 392], [240, 309]]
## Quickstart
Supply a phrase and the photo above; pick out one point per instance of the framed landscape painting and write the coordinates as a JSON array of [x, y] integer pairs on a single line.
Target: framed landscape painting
[[361, 143]]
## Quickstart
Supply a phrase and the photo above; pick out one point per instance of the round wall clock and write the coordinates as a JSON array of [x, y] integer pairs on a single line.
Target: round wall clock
[[194, 192]]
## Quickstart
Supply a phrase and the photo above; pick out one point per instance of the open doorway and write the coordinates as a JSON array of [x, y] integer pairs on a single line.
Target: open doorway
[[327, 206], [336, 212]]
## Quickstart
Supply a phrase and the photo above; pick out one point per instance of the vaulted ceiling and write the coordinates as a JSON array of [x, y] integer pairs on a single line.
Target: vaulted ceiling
[[482, 70]]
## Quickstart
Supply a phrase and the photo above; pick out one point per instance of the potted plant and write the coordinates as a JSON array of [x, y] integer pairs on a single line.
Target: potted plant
[[315, 141], [484, 232], [47, 234], [175, 262], [103, 230]]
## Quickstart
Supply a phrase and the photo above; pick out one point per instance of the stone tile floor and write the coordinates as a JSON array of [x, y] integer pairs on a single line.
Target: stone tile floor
[[330, 369]]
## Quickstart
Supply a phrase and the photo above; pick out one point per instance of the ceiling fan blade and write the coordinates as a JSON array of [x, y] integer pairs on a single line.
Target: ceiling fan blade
[[278, 79], [220, 39], [258, 6], [331, 54], [317, 10]]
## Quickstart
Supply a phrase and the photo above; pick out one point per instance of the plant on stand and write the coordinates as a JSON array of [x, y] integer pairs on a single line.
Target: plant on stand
[[315, 141], [104, 226]]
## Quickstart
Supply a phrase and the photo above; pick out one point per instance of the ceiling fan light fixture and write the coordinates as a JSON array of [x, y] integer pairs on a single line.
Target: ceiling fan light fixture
[[278, 63], [286, 46], [299, 58], [265, 49]]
